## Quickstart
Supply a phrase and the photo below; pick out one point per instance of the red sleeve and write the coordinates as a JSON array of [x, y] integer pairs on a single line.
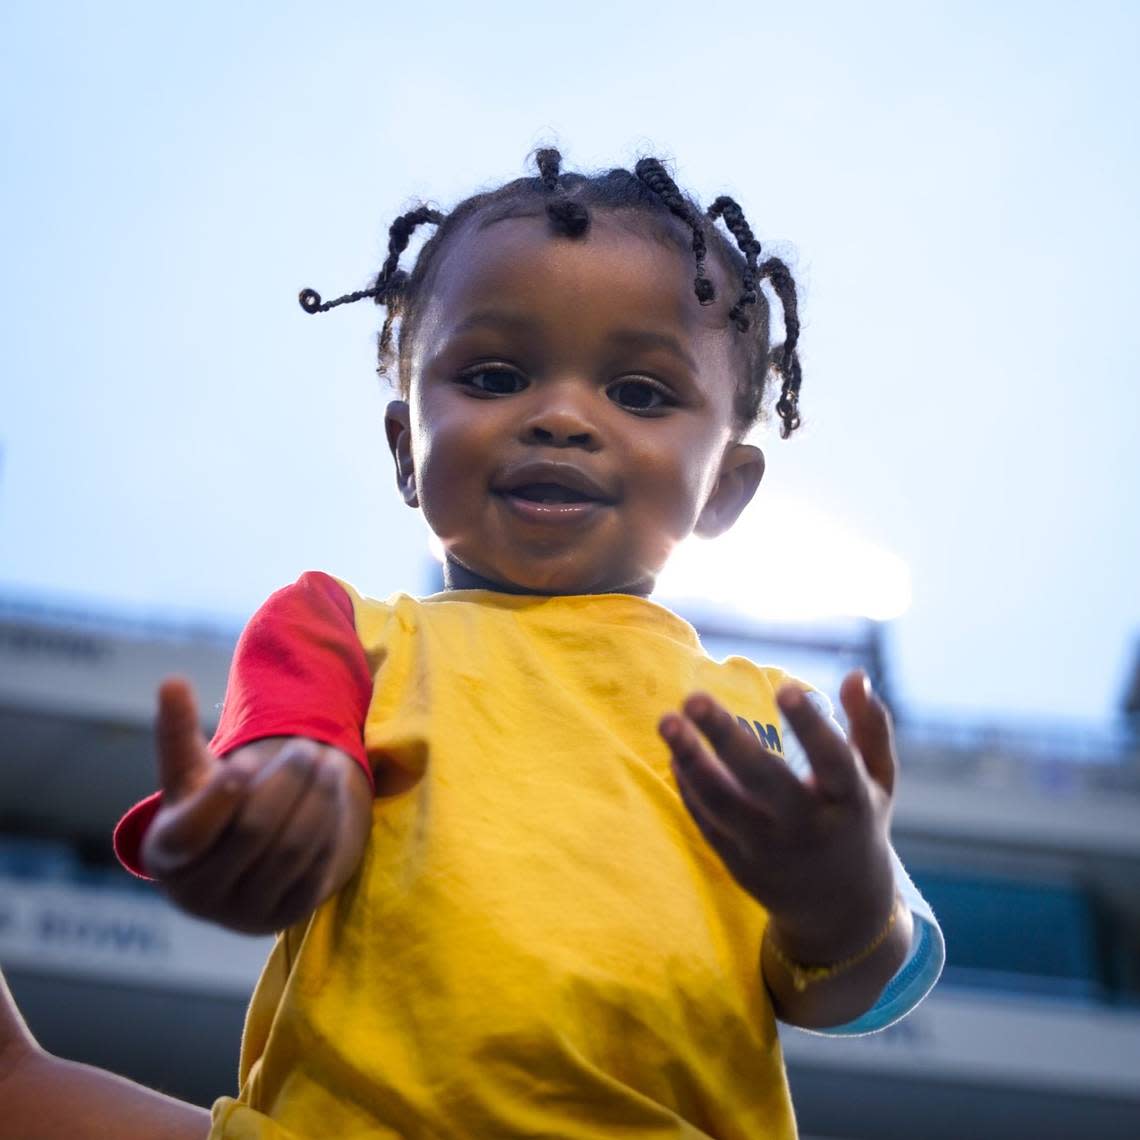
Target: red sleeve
[[298, 670]]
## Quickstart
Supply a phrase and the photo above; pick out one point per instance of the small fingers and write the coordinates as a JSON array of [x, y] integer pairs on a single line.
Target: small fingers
[[834, 764], [209, 865], [184, 759], [184, 832], [871, 728], [273, 795], [711, 792], [759, 771], [297, 862], [305, 893]]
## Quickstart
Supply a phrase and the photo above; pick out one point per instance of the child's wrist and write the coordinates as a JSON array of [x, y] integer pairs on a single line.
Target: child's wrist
[[833, 933], [813, 962]]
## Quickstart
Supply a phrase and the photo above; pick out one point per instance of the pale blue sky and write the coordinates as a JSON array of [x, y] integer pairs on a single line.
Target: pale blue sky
[[957, 184]]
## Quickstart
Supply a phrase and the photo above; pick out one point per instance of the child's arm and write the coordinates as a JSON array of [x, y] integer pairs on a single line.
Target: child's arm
[[44, 1098], [259, 840], [816, 854]]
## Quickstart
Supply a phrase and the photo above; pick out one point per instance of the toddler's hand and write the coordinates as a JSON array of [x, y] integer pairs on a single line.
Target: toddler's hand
[[258, 840], [815, 853]]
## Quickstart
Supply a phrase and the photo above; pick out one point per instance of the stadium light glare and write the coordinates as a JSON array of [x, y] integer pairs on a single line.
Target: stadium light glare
[[786, 560]]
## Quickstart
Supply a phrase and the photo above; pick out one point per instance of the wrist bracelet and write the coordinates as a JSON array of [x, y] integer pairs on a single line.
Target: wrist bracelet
[[804, 976]]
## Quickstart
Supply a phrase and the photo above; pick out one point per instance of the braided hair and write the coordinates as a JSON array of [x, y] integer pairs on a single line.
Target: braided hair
[[647, 198]]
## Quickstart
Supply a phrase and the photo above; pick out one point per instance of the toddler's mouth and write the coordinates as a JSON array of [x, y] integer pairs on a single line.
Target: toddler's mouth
[[551, 484], [549, 493], [544, 503]]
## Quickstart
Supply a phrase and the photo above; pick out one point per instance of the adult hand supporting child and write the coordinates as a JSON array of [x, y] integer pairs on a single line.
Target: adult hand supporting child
[[44, 1097], [814, 853], [259, 839]]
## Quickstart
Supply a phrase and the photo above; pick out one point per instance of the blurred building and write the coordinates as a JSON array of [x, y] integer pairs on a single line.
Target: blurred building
[[1026, 841]]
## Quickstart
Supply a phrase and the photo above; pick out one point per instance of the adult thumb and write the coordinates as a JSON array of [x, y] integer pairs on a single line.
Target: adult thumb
[[184, 759]]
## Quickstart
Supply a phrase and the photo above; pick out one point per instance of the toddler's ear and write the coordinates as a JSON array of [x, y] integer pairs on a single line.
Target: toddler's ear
[[397, 424], [740, 473]]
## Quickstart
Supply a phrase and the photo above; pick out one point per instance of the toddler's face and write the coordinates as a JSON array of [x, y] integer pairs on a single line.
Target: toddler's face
[[570, 409]]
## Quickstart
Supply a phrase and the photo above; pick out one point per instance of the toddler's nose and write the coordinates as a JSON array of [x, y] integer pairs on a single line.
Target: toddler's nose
[[559, 437], [560, 423]]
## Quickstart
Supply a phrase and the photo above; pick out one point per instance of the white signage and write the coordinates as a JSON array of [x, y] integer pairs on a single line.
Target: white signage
[[101, 932]]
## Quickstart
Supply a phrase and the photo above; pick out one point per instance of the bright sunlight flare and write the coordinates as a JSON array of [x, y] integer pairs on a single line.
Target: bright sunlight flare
[[786, 560]]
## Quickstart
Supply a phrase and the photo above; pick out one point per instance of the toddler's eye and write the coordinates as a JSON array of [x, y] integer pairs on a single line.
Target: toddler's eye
[[640, 396], [493, 381]]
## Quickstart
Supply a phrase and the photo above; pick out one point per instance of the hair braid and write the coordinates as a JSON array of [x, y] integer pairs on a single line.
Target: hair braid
[[549, 162], [389, 281], [654, 175], [749, 246], [311, 301], [789, 367], [569, 218]]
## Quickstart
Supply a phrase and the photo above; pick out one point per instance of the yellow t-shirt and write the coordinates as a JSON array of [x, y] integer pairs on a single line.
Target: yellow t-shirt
[[539, 942]]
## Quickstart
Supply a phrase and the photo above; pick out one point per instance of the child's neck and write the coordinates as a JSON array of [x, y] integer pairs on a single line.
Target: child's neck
[[457, 577]]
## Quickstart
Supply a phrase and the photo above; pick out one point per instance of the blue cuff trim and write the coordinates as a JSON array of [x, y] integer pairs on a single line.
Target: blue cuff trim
[[913, 981]]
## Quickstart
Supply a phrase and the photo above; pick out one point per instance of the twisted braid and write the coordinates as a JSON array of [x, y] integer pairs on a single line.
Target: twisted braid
[[390, 281], [569, 218], [311, 301], [734, 219], [654, 175], [549, 163], [780, 275]]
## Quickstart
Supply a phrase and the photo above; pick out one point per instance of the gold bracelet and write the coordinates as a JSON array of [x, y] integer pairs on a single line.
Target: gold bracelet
[[804, 976]]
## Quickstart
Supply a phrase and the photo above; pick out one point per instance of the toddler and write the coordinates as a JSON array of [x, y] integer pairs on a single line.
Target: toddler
[[538, 865]]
